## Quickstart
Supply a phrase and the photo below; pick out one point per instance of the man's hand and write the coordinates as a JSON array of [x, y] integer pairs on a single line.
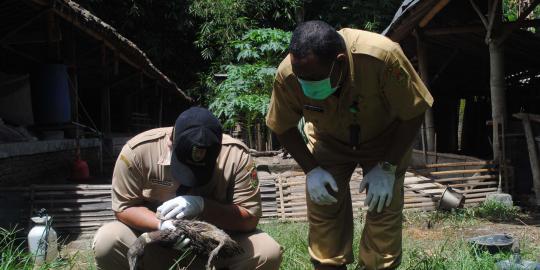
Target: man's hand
[[182, 207], [166, 225], [182, 242], [316, 181], [381, 185]]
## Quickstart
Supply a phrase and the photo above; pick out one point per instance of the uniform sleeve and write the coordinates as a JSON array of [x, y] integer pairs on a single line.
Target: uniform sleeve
[[246, 187], [285, 109], [404, 90], [127, 181]]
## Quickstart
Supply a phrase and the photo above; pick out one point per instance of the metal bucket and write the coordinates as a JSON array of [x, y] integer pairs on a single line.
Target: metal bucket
[[450, 199]]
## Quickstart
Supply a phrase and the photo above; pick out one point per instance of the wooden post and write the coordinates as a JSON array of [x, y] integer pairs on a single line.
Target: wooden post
[[160, 117], [533, 154], [429, 122], [52, 30], [105, 95], [497, 78]]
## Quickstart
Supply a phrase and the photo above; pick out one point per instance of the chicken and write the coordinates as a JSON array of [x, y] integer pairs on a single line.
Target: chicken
[[206, 240]]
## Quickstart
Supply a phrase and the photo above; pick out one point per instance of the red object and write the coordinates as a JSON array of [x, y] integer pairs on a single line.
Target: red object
[[80, 170]]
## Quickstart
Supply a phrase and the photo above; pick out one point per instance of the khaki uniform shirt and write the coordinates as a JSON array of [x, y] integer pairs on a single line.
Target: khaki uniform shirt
[[142, 175], [381, 87]]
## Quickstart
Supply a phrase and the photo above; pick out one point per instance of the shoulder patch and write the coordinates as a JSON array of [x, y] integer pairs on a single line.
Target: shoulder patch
[[125, 160], [147, 136], [227, 139], [394, 71]]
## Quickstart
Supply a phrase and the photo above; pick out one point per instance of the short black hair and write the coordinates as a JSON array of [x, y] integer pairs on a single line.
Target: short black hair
[[316, 37]]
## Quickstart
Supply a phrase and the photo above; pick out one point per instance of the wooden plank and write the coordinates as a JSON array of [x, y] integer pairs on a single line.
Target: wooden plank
[[463, 171], [84, 219], [431, 13], [457, 164], [453, 179], [457, 179], [105, 193], [37, 201], [474, 184], [82, 208], [281, 199]]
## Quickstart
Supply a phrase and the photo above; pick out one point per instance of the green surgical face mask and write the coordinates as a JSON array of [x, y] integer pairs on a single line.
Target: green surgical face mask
[[318, 90]]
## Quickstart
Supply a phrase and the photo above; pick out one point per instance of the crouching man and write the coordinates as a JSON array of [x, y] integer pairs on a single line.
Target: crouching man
[[189, 171]]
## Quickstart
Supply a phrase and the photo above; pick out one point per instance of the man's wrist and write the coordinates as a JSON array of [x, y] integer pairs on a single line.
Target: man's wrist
[[387, 166]]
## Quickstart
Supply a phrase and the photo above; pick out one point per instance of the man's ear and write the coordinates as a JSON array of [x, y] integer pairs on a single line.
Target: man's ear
[[341, 57]]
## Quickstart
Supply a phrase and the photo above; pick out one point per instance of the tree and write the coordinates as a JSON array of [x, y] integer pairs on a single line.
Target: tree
[[244, 96]]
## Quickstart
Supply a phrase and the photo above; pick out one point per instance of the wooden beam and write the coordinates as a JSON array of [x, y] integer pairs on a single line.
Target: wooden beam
[[105, 95], [23, 54], [124, 79], [25, 24], [454, 30], [533, 154], [532, 117], [98, 36], [445, 65], [434, 11], [465, 29], [480, 15]]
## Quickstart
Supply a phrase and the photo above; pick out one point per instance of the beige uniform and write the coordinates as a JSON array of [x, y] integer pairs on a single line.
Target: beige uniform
[[142, 177], [380, 89]]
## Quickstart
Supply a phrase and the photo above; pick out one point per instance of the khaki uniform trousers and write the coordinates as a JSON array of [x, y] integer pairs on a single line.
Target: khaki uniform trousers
[[112, 241], [331, 226]]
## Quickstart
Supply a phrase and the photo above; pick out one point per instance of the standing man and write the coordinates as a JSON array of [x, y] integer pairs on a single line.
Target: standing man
[[363, 104], [189, 171]]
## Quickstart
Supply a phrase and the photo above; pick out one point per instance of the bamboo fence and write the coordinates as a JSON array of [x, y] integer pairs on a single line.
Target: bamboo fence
[[84, 208]]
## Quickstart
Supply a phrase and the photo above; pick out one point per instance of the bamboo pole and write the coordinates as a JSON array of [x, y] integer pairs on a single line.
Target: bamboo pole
[[459, 164], [429, 122], [464, 171], [533, 155]]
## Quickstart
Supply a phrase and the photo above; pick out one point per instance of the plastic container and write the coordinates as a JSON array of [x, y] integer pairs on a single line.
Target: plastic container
[[43, 240], [50, 94], [493, 243]]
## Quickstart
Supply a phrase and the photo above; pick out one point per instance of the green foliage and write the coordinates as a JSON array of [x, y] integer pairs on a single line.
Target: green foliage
[[494, 210], [222, 21], [262, 45], [368, 15], [512, 8], [245, 94]]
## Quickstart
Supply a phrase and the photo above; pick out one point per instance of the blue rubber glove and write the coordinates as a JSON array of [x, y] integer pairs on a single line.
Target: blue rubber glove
[[381, 186]]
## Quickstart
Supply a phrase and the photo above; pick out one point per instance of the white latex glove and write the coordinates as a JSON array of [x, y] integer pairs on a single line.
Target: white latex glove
[[316, 181], [381, 186], [182, 241], [166, 225], [181, 207]]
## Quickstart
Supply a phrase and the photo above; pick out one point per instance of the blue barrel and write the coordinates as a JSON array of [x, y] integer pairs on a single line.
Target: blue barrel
[[50, 94]]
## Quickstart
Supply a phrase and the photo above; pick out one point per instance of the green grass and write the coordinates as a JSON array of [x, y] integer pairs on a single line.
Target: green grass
[[449, 252], [496, 211], [14, 255], [442, 247]]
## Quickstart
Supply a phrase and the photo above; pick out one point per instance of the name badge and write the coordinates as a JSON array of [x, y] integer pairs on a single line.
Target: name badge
[[313, 108]]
